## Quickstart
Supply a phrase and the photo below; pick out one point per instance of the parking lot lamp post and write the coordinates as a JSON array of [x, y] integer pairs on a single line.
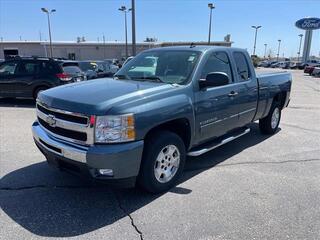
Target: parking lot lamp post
[[255, 38], [300, 35], [211, 6], [278, 50], [265, 50], [125, 10], [48, 12]]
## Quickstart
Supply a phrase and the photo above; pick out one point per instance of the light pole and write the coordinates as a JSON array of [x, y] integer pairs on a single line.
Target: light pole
[[48, 12], [300, 35], [255, 38], [278, 50], [133, 20], [125, 10], [265, 50], [211, 6]]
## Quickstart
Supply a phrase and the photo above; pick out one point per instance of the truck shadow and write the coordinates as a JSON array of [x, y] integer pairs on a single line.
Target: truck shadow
[[17, 102], [56, 204]]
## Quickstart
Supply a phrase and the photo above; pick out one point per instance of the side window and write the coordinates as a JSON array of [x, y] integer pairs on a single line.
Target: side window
[[28, 68], [217, 62], [8, 68], [243, 70], [49, 67]]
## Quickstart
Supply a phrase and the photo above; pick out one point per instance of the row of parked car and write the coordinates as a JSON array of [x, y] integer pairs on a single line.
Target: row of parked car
[[288, 64], [27, 76]]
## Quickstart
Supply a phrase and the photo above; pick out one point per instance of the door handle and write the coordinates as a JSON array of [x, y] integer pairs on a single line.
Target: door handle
[[232, 94]]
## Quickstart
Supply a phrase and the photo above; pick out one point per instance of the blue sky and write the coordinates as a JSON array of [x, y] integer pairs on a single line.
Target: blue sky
[[167, 20]]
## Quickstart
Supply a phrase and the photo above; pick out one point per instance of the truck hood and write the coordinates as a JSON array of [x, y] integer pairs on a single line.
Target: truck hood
[[96, 97]]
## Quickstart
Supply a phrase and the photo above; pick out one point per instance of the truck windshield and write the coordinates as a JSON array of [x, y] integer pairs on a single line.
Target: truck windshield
[[174, 66]]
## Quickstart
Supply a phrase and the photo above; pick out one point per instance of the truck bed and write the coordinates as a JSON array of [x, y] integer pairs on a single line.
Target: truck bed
[[270, 84]]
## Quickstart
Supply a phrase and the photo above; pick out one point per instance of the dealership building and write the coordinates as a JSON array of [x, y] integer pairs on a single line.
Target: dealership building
[[86, 50]]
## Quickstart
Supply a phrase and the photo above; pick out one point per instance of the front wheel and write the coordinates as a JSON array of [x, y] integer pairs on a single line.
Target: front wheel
[[163, 162], [270, 123]]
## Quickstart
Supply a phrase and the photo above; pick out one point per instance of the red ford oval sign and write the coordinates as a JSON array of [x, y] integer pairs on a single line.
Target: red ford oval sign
[[308, 23]]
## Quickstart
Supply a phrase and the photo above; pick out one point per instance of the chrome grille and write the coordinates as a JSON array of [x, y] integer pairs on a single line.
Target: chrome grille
[[65, 125]]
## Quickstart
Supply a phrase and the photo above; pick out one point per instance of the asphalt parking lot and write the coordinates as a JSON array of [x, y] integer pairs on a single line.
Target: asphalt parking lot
[[257, 187]]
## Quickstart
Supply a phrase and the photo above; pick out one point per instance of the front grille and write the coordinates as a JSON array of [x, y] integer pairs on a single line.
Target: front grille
[[67, 117], [64, 132], [72, 127]]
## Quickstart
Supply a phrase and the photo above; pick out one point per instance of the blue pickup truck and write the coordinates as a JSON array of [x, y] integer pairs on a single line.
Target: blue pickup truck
[[162, 106]]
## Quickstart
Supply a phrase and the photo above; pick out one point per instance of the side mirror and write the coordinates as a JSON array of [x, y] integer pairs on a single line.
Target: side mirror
[[214, 79]]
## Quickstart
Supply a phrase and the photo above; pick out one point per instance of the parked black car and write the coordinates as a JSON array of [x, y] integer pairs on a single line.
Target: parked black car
[[26, 77]]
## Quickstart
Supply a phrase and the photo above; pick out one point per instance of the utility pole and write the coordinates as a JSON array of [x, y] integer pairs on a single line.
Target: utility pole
[[133, 13], [300, 35], [265, 50], [278, 50], [125, 10], [255, 38], [49, 26], [210, 6], [104, 47]]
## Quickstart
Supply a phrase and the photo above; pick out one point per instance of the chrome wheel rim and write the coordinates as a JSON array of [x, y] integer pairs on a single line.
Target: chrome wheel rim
[[275, 118], [167, 164]]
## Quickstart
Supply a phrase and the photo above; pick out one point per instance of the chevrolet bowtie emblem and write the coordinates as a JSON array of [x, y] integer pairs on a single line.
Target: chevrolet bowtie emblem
[[51, 121]]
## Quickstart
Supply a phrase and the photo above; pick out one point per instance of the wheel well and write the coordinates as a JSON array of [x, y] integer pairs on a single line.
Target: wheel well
[[280, 98], [37, 87], [180, 126]]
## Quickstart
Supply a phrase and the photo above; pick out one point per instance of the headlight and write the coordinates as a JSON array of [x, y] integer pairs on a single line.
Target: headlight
[[113, 129]]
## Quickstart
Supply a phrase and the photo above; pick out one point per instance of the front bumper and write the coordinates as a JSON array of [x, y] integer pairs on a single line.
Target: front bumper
[[124, 159]]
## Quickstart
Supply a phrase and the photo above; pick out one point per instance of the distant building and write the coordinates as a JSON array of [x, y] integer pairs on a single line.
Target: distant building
[[84, 50]]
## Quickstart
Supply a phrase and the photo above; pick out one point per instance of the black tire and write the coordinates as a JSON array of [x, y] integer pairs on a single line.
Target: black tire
[[153, 146], [37, 91], [265, 124]]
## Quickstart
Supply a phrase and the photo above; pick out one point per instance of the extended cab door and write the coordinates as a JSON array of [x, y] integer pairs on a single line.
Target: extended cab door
[[247, 88], [216, 109], [7, 75]]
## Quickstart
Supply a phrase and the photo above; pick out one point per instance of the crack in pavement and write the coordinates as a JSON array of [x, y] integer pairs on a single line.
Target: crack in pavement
[[280, 162], [128, 215], [302, 128], [79, 187], [190, 170]]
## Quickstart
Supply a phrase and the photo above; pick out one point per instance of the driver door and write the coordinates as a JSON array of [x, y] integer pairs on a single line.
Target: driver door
[[215, 109]]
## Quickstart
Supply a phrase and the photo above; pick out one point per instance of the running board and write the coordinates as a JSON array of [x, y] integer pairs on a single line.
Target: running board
[[215, 145]]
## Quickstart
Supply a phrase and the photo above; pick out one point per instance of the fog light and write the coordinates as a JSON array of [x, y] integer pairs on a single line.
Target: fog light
[[105, 172]]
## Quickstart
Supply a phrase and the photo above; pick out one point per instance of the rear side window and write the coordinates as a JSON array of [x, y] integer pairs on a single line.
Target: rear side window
[[66, 64], [28, 68], [48, 67], [242, 65], [71, 69], [217, 62]]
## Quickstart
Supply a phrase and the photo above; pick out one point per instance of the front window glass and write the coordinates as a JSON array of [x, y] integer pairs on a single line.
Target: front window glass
[[8, 68], [217, 62], [172, 66], [85, 66], [71, 70]]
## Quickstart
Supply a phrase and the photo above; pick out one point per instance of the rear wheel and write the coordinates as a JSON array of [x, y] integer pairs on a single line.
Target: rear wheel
[[37, 91], [163, 162], [270, 123]]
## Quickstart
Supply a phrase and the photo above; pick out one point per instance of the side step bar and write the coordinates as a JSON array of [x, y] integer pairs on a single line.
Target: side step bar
[[208, 148]]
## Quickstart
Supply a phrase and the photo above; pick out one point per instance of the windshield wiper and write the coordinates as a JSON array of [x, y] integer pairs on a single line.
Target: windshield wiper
[[121, 76], [153, 78]]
